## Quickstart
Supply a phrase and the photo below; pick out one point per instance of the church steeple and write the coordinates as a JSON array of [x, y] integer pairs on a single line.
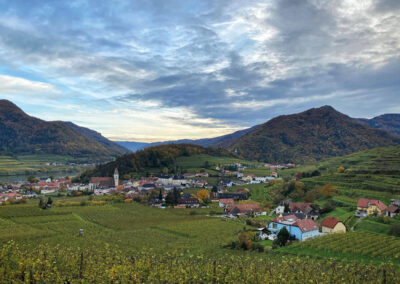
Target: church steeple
[[116, 177]]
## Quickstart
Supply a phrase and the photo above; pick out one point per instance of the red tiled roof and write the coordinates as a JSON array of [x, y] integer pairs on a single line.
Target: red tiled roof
[[330, 222], [246, 207], [306, 225], [284, 218], [300, 205], [227, 201], [392, 208], [363, 202]]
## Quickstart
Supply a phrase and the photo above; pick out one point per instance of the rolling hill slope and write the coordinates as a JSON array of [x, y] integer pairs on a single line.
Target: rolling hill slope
[[309, 136]]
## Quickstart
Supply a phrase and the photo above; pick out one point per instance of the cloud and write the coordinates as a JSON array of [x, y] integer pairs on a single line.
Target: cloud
[[205, 67]]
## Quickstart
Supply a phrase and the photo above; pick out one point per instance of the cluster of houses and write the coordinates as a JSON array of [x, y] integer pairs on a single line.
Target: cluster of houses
[[299, 221], [373, 207]]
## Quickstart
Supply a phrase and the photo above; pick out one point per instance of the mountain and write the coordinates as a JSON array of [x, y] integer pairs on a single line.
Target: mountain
[[152, 159], [220, 141], [23, 134], [308, 136], [388, 122], [96, 136]]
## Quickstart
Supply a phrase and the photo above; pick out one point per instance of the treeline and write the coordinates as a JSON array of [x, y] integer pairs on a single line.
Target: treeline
[[153, 158]]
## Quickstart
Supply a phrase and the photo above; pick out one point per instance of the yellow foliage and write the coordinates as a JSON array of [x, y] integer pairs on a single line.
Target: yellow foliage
[[202, 194], [128, 200], [340, 169]]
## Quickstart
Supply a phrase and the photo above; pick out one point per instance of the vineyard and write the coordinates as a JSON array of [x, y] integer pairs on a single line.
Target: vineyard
[[105, 265], [135, 243], [352, 245]]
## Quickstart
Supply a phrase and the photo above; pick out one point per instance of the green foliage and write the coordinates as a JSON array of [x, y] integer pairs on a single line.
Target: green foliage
[[282, 237], [394, 230]]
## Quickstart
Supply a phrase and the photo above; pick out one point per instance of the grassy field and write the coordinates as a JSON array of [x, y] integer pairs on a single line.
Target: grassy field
[[36, 164]]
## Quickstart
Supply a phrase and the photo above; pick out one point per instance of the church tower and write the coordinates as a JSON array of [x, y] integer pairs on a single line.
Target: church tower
[[116, 177]]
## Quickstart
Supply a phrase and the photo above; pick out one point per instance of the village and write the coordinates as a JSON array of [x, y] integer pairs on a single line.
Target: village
[[301, 220]]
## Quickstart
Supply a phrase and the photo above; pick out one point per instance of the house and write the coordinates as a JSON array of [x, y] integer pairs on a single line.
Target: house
[[305, 208], [190, 202], [244, 209], [332, 225], [392, 210], [279, 210], [248, 177], [298, 229], [165, 179], [101, 182], [370, 207], [234, 196], [226, 202]]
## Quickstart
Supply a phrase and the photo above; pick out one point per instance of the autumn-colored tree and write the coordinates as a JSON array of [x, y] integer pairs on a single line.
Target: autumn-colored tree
[[311, 195], [203, 194], [328, 189], [126, 176], [165, 170], [340, 169]]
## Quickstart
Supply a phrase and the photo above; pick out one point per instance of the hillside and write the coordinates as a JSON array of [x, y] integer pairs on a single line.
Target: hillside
[[374, 173], [23, 134], [388, 122], [153, 159], [220, 141], [309, 136], [96, 136]]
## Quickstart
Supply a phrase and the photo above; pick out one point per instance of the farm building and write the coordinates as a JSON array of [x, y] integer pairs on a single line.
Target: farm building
[[333, 225]]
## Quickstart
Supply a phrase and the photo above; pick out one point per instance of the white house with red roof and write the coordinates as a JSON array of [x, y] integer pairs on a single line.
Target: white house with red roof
[[297, 228]]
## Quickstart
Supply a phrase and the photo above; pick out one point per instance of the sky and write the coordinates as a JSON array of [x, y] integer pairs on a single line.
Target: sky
[[163, 70]]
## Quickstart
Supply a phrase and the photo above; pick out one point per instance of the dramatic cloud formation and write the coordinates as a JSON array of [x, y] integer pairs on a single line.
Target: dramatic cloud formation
[[155, 70]]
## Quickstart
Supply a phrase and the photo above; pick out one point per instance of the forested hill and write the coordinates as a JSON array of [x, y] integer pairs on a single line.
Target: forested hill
[[23, 134], [388, 122], [150, 159], [308, 136]]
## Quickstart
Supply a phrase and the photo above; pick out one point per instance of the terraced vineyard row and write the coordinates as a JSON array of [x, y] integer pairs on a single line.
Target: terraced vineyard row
[[355, 243]]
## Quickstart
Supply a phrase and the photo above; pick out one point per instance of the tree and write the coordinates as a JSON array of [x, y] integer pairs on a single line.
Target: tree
[[42, 203], [203, 195], [328, 190], [283, 237], [49, 202], [51, 177], [32, 179], [206, 165], [310, 196], [160, 195], [340, 169], [214, 189], [165, 170]]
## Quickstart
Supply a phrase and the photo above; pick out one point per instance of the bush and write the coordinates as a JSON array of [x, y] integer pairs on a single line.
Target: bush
[[394, 230]]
